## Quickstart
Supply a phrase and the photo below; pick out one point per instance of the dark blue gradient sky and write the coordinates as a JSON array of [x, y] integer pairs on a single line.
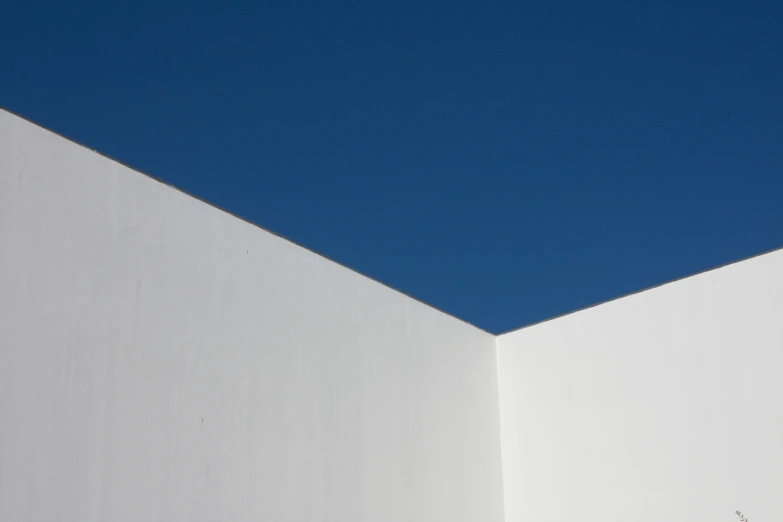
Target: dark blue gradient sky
[[505, 162]]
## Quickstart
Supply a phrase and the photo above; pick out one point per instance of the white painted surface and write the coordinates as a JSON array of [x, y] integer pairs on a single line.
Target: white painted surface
[[162, 360], [664, 405]]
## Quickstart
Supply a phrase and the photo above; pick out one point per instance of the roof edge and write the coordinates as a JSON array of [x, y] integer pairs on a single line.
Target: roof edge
[[256, 225], [677, 280]]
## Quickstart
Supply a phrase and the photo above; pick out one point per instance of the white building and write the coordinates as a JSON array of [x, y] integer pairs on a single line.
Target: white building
[[162, 360]]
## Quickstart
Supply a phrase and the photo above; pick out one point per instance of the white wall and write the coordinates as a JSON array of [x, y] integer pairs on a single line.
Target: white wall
[[664, 405], [162, 360]]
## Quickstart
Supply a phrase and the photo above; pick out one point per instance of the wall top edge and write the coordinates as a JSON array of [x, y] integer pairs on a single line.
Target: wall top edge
[[643, 290], [330, 260], [255, 225]]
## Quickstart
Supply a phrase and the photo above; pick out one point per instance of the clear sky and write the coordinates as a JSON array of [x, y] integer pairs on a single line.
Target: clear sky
[[504, 162]]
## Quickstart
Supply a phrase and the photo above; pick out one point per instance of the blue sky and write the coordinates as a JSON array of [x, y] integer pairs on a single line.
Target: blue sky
[[504, 162]]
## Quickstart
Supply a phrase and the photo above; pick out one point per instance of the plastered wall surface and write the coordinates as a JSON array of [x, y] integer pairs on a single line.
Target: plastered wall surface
[[664, 405], [162, 360]]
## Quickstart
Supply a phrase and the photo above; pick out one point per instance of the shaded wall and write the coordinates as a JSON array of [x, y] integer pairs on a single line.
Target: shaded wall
[[163, 360]]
